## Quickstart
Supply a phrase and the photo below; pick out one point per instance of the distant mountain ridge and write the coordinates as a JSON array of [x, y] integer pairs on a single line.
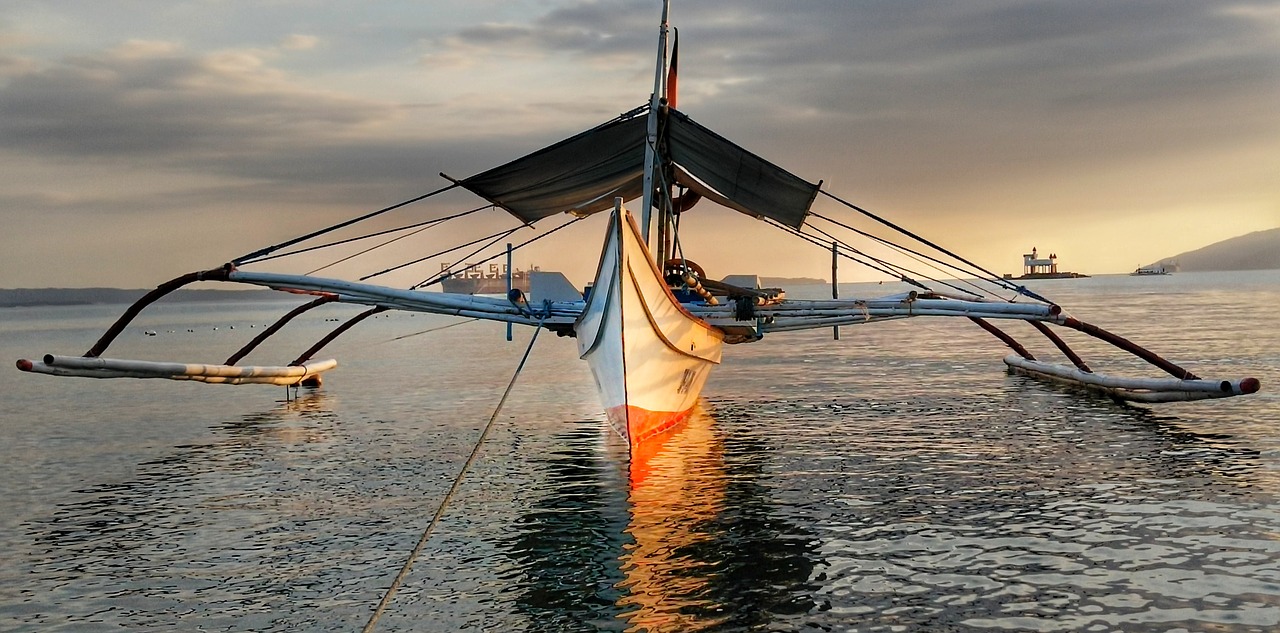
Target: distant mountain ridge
[[11, 298], [26, 297], [782, 282], [1259, 250]]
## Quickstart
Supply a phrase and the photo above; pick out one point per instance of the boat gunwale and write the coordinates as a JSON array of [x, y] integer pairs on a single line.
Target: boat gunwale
[[653, 266], [653, 324], [615, 228]]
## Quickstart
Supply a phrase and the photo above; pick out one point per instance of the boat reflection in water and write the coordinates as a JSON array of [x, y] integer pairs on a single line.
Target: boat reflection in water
[[678, 489], [705, 534], [688, 538]]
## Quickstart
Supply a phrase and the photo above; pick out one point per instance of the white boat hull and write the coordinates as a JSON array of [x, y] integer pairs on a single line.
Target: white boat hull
[[649, 356]]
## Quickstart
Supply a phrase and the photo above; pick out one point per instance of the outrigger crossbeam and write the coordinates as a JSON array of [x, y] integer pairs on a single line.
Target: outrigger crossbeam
[[761, 316]]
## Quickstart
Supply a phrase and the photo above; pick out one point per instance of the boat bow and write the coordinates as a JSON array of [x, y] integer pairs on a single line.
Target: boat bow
[[650, 357]]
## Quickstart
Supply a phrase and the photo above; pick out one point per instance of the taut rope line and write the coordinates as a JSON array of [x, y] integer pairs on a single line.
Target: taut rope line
[[444, 503]]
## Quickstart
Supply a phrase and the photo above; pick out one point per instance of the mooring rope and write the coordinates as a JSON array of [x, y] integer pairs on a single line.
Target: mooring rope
[[457, 481], [434, 329]]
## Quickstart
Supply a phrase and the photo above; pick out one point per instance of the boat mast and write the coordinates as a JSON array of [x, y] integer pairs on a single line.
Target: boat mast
[[651, 138]]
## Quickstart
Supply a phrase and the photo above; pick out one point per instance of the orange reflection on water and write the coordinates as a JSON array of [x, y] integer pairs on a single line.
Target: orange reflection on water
[[678, 485]]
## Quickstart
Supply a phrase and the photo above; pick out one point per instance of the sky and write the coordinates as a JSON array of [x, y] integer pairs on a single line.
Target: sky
[[143, 139]]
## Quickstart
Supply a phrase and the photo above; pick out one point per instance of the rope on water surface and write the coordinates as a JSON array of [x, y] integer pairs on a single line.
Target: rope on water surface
[[434, 329], [444, 503]]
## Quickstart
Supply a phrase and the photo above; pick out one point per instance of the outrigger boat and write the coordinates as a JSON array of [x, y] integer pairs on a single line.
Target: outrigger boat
[[654, 325]]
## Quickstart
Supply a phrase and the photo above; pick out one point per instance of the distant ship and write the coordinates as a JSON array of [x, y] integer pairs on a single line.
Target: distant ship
[[1154, 269], [1035, 268], [474, 281]]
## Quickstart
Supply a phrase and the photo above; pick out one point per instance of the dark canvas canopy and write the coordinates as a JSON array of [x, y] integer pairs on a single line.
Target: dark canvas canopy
[[584, 173]]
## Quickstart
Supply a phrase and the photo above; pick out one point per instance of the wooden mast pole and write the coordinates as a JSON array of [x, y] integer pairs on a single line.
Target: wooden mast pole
[[651, 137]]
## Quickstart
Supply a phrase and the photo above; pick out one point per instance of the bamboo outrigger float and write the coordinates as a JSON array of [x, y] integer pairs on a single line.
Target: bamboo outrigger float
[[87, 367], [654, 324]]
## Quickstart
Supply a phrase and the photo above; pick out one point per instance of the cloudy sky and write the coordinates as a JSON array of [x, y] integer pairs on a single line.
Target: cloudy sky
[[143, 139]]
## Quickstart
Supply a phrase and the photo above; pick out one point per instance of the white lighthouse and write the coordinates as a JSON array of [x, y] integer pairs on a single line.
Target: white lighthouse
[[1033, 265]]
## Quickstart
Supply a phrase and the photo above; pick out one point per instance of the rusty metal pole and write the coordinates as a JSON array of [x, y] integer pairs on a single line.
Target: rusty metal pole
[[835, 284], [509, 272]]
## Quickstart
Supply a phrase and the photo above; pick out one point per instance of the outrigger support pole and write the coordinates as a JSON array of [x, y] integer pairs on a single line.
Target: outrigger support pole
[[306, 356], [1131, 347], [1185, 386], [1062, 347], [1003, 336], [216, 274], [1094, 331], [275, 327]]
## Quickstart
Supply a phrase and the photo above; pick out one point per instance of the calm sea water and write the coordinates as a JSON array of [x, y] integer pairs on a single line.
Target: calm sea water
[[895, 480]]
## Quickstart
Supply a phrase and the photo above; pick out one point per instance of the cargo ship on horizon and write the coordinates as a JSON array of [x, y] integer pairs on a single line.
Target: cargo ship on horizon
[[473, 280]]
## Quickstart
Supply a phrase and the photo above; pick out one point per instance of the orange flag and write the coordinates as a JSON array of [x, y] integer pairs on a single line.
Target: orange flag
[[671, 72]]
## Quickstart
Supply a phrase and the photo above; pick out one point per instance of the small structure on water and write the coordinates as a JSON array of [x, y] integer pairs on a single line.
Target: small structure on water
[[1035, 268]]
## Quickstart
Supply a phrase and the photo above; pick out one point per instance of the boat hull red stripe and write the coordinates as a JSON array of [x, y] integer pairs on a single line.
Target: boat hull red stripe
[[642, 424]]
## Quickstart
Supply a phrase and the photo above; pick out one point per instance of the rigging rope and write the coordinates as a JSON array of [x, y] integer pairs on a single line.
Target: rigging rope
[[457, 481], [392, 240], [813, 240], [260, 253], [434, 329], [441, 277], [994, 277], [900, 271], [244, 259], [913, 254], [448, 271], [406, 227], [894, 266], [499, 235]]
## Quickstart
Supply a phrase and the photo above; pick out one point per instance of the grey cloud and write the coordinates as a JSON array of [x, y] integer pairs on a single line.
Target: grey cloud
[[598, 30], [177, 111], [1040, 51], [160, 106]]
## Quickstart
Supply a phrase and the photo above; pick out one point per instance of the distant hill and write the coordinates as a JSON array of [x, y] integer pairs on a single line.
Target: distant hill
[[89, 296], [1255, 251]]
